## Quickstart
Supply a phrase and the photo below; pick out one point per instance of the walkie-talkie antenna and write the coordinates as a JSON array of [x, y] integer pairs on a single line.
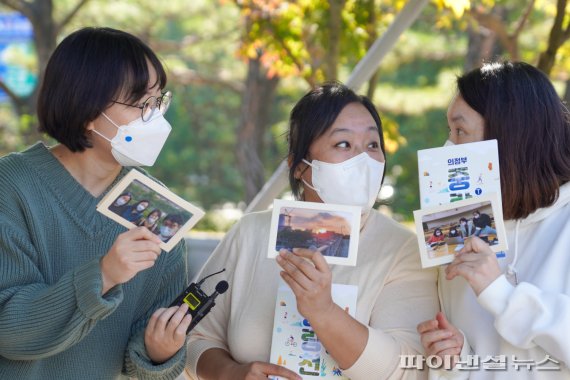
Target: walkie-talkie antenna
[[213, 274]]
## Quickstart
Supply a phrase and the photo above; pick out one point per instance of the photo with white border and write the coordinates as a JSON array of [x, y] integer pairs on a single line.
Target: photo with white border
[[137, 200], [333, 228], [442, 230]]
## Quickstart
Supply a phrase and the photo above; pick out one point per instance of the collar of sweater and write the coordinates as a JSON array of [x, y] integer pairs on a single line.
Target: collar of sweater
[[67, 192]]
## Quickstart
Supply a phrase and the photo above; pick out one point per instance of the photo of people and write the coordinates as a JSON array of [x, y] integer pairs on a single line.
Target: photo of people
[[328, 229], [139, 201], [442, 230]]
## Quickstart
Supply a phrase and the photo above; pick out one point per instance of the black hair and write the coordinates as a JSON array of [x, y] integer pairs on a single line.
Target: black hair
[[176, 218], [313, 115], [462, 220], [87, 71], [522, 110], [155, 210]]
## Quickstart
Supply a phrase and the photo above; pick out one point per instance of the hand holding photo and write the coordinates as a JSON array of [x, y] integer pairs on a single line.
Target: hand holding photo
[[443, 230], [333, 229], [139, 201]]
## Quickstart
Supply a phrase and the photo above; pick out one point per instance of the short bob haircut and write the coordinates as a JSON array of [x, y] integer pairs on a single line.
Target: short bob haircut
[[87, 71], [523, 112], [313, 115]]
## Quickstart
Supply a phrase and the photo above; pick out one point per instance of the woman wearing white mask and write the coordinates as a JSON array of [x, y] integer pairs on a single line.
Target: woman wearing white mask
[[336, 155], [511, 314], [135, 212], [151, 221], [73, 301]]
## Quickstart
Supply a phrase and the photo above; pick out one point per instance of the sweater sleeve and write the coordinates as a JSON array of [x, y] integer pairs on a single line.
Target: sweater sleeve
[[408, 297], [37, 319], [212, 331], [137, 362], [526, 316]]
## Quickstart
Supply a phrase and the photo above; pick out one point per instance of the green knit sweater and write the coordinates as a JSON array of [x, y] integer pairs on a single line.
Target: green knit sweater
[[54, 323]]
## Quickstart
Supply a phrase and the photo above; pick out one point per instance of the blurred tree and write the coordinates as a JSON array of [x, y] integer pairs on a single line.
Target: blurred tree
[[46, 28], [313, 39], [559, 34]]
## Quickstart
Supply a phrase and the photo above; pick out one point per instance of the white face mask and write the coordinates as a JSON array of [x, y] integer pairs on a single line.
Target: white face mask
[[120, 201], [141, 207], [139, 143], [448, 143], [354, 182], [166, 231]]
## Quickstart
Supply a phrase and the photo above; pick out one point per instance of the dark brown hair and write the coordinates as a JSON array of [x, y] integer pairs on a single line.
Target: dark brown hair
[[313, 115], [532, 126]]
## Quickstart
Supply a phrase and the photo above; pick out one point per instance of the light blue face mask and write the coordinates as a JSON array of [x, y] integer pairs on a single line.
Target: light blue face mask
[[448, 143], [166, 231]]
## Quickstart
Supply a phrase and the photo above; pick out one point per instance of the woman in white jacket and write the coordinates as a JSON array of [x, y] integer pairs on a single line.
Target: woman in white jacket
[[510, 317]]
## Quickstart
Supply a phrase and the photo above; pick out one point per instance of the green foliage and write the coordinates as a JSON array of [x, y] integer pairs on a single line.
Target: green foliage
[[205, 44]]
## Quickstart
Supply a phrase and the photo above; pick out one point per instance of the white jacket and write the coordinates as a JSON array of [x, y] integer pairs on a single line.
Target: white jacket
[[528, 322]]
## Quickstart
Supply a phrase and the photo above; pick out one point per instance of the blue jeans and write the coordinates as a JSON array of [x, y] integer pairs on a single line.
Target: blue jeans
[[486, 231]]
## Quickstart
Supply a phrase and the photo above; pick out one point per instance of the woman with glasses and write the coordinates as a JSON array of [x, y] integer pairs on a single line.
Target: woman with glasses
[[80, 296]]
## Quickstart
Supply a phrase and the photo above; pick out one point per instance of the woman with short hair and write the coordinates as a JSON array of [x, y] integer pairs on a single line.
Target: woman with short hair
[[80, 296]]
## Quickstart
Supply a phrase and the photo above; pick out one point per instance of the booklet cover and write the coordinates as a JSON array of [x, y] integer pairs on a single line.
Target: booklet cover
[[458, 172], [294, 344]]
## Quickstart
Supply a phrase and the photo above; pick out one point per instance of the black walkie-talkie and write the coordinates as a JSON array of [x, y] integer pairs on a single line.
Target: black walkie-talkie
[[199, 303]]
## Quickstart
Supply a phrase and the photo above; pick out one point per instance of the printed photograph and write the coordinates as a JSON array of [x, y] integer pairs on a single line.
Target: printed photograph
[[332, 229], [139, 201], [443, 230]]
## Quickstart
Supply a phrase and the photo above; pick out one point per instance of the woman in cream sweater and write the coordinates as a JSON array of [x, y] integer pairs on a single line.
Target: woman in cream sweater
[[337, 134]]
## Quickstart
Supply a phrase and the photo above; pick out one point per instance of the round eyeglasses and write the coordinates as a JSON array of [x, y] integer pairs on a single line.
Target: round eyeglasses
[[151, 104]]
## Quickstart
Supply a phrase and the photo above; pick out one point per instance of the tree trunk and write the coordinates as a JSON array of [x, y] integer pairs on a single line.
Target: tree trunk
[[558, 35], [483, 43], [256, 104], [335, 33]]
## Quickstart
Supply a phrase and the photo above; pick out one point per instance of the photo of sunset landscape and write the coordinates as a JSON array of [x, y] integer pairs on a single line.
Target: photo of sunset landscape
[[306, 228]]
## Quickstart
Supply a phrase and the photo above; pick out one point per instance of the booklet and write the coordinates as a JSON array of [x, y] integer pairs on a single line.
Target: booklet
[[454, 173], [294, 344], [468, 174]]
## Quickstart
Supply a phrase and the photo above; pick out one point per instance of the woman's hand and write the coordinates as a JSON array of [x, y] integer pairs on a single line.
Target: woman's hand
[[166, 332], [309, 276], [132, 252], [476, 263], [261, 371], [441, 338]]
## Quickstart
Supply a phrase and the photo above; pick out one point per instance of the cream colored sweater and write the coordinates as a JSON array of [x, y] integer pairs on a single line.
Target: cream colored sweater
[[394, 295]]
